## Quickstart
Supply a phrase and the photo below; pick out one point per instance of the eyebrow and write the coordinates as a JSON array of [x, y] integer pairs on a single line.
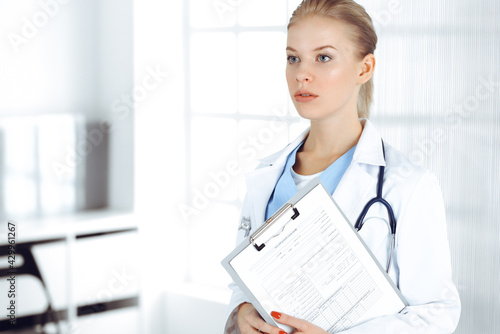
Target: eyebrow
[[317, 49]]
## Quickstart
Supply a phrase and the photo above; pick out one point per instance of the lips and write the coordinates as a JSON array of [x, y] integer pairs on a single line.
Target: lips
[[303, 95]]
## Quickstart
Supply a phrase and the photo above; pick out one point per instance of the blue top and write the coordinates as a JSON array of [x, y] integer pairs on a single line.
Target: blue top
[[285, 187]]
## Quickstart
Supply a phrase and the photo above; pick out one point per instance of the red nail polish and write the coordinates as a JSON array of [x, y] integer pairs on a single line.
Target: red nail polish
[[283, 332], [276, 315]]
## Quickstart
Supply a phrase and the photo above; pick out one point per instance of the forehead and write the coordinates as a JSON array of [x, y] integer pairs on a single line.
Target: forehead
[[311, 32]]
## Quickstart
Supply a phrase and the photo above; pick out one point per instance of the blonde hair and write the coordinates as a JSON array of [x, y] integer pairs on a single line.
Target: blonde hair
[[363, 34]]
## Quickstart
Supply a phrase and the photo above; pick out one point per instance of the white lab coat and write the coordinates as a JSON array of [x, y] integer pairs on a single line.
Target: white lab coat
[[421, 266]]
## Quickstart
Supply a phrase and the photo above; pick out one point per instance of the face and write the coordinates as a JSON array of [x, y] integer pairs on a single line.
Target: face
[[323, 72]]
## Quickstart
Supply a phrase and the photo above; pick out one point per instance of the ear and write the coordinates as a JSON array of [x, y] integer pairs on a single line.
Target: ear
[[367, 68]]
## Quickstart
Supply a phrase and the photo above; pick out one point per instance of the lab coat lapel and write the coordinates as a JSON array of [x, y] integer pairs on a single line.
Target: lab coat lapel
[[261, 182], [260, 186], [355, 189], [359, 183]]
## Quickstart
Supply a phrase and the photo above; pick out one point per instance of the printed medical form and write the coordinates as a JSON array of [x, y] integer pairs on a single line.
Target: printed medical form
[[315, 267]]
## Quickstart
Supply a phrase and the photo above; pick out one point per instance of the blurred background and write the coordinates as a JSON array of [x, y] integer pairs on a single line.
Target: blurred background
[[126, 129]]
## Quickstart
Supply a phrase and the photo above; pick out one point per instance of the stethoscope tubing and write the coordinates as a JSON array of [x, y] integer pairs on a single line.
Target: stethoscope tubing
[[360, 221], [390, 212]]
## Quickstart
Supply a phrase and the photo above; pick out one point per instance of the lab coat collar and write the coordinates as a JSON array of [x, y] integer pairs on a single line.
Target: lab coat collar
[[354, 189], [368, 151], [283, 154]]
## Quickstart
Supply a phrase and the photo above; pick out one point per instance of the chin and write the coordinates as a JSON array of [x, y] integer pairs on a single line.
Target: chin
[[311, 113]]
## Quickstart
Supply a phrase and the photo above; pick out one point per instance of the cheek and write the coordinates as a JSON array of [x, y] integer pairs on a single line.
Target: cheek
[[337, 80], [334, 77], [290, 76], [291, 82]]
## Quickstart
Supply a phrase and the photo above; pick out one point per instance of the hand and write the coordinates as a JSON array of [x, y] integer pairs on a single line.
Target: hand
[[302, 326], [250, 321]]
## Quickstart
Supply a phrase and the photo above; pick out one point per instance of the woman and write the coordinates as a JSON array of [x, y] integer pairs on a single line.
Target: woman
[[329, 73]]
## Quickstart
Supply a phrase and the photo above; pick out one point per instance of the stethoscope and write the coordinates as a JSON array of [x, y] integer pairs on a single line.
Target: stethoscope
[[246, 226], [380, 199]]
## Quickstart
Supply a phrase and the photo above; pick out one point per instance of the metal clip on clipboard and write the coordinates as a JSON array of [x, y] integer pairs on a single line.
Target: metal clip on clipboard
[[270, 221]]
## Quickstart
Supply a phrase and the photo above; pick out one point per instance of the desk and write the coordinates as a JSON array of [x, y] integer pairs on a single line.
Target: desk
[[72, 232]]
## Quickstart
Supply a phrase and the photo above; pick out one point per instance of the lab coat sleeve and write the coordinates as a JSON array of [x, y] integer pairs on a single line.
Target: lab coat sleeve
[[424, 266], [237, 297]]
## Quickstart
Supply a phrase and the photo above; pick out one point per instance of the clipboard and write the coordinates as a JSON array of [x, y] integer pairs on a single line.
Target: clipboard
[[308, 261]]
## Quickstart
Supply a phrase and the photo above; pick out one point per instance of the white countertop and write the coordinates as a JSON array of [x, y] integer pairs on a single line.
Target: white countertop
[[99, 221]]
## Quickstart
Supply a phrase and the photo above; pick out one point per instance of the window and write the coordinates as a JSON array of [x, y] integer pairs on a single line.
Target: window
[[238, 110]]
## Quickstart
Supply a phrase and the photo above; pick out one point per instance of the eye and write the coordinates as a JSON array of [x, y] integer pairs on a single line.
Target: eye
[[324, 58], [292, 59]]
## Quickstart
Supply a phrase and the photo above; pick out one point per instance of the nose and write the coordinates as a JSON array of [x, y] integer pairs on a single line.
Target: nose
[[303, 75], [302, 78]]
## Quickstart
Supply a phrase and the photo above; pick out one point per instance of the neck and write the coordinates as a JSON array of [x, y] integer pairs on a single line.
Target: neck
[[333, 136]]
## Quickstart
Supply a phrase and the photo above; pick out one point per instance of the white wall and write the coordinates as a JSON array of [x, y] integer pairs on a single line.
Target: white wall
[[160, 154], [52, 60], [191, 309]]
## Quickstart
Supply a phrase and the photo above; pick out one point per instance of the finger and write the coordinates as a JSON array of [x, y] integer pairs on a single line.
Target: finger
[[286, 319], [250, 321], [264, 327], [247, 328]]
